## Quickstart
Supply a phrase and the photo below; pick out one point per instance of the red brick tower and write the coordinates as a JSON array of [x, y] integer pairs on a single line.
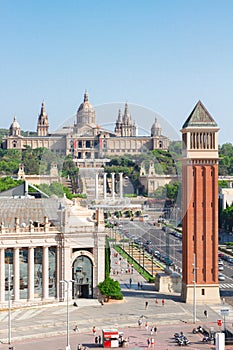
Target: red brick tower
[[200, 207]]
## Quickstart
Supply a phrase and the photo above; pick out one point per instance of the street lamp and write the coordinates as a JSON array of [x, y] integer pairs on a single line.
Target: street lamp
[[194, 288], [9, 303], [67, 312]]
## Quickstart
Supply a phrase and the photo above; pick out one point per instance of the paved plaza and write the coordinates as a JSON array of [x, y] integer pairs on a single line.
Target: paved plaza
[[45, 327]]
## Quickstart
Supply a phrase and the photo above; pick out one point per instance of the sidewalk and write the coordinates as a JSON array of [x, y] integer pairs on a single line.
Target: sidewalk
[[45, 327]]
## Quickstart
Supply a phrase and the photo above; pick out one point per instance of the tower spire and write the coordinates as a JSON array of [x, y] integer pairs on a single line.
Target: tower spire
[[43, 124]]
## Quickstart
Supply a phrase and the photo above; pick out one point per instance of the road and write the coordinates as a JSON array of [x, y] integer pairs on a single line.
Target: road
[[169, 245]]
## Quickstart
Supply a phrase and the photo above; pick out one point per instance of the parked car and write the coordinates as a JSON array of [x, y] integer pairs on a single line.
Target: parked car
[[220, 267], [157, 254], [169, 262], [221, 277]]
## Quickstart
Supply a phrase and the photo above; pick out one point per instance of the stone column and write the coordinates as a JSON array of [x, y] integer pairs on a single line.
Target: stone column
[[2, 274], [59, 256], [113, 185], [16, 275], [105, 185], [45, 273], [30, 273], [121, 185], [96, 186]]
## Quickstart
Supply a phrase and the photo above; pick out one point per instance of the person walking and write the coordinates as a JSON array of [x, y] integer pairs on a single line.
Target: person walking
[[152, 342], [146, 305], [163, 302], [148, 342], [130, 282], [205, 313], [94, 330], [76, 329]]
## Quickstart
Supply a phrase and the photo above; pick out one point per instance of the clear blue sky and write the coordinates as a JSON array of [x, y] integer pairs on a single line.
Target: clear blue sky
[[164, 55]]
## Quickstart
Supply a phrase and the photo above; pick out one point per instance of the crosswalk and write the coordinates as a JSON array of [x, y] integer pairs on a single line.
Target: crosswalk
[[226, 285]]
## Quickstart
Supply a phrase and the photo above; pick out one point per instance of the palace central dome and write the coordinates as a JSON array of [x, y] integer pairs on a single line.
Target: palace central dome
[[86, 113]]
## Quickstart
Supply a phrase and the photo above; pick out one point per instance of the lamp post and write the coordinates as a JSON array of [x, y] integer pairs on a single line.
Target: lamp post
[[67, 313], [194, 288], [9, 303]]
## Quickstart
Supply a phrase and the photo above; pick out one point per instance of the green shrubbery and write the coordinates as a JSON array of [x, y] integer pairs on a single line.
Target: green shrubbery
[[7, 182], [110, 289]]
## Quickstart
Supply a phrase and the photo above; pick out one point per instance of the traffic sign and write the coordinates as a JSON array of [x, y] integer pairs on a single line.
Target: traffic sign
[[219, 322], [225, 312]]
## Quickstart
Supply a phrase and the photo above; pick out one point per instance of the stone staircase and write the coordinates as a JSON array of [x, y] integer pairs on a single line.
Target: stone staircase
[[143, 259], [87, 178]]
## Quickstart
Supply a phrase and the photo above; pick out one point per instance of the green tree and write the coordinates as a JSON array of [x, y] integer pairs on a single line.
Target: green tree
[[7, 182], [222, 184], [226, 218], [110, 288]]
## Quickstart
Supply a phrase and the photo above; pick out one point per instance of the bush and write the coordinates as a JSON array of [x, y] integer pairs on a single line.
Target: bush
[[111, 288]]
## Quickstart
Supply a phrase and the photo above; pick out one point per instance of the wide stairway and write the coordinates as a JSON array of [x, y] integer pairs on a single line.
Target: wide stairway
[[87, 179]]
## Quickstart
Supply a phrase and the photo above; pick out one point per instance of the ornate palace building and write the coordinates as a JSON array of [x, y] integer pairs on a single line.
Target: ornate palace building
[[45, 241], [88, 142]]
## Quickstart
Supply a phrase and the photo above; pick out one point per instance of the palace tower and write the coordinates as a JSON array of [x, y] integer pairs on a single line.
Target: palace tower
[[200, 207]]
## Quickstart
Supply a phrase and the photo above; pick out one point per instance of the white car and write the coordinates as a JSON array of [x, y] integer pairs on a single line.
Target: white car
[[221, 277], [220, 267]]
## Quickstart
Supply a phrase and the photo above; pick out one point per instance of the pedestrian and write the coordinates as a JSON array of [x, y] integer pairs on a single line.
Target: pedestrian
[[76, 329], [155, 330], [139, 322], [148, 342], [94, 330], [146, 325], [163, 302], [156, 301], [130, 282], [152, 342], [152, 331], [102, 302], [146, 305], [99, 338], [205, 313], [138, 285], [141, 285], [96, 339]]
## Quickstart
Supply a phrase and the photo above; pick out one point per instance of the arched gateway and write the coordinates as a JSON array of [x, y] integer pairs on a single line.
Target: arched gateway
[[83, 277]]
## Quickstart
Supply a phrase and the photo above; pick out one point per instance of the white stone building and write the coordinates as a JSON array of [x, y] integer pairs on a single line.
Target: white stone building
[[45, 241]]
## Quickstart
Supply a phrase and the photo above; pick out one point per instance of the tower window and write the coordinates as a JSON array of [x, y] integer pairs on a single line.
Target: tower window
[[202, 291]]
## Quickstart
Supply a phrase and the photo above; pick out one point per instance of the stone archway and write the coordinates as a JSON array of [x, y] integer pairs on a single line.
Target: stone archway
[[82, 274]]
